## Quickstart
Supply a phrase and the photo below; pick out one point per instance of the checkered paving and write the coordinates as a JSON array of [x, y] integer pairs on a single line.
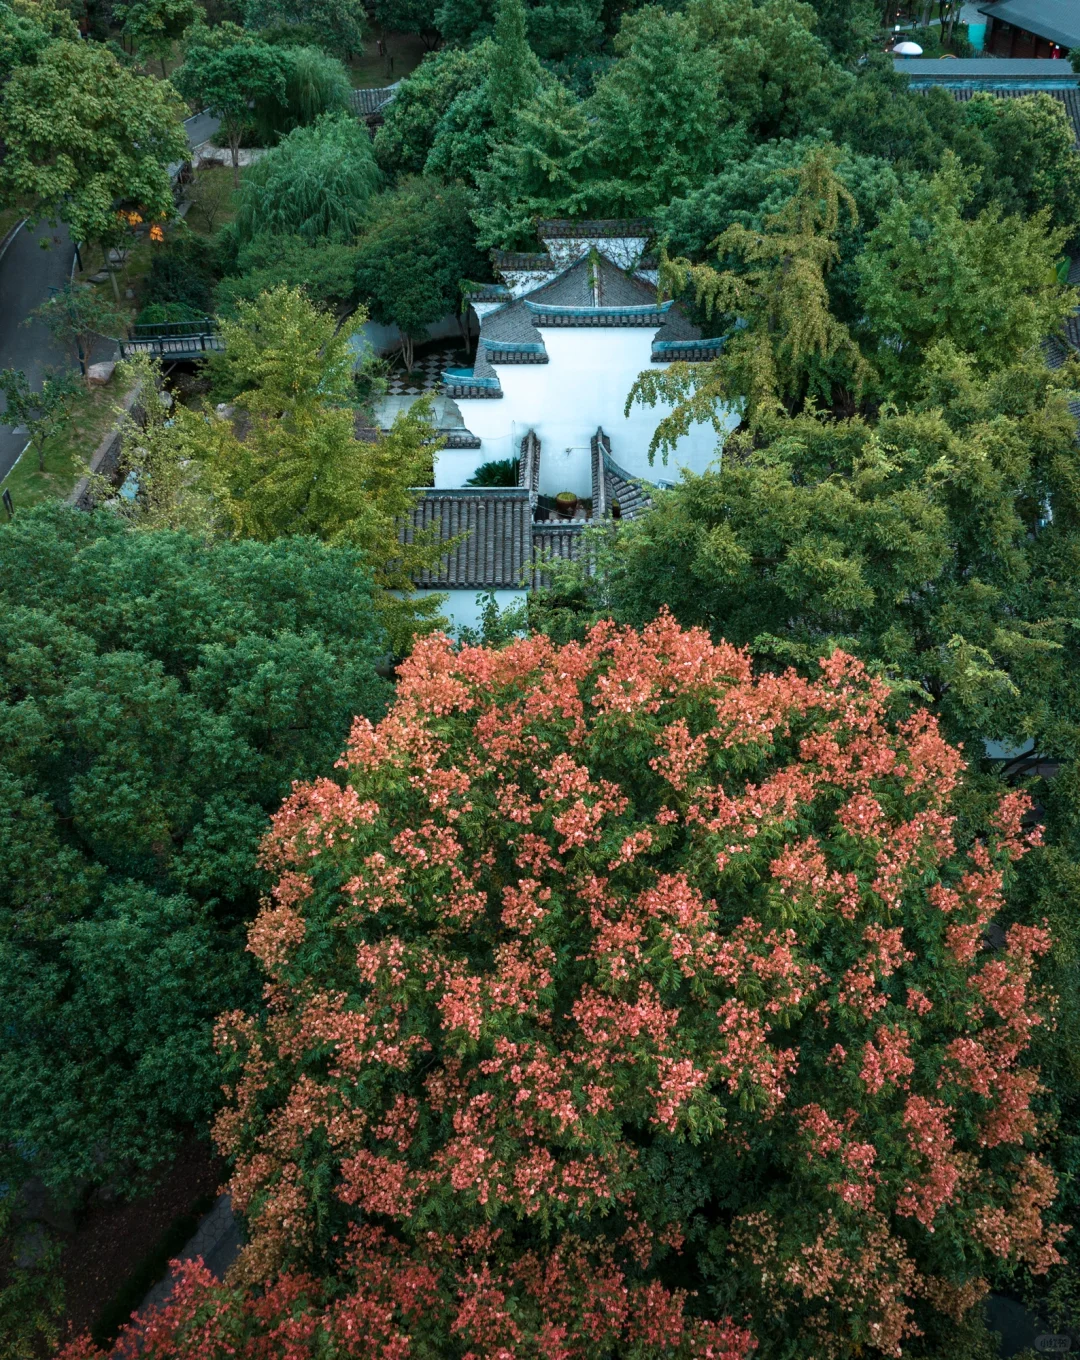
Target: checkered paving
[[427, 373]]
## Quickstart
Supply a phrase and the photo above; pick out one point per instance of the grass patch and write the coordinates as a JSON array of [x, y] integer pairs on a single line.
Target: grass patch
[[372, 70], [66, 454], [213, 199]]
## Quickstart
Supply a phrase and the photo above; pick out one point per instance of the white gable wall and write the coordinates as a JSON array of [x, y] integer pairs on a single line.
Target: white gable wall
[[584, 384]]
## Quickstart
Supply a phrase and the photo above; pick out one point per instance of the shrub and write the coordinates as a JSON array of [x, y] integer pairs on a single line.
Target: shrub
[[326, 270], [162, 313], [500, 472], [617, 994], [182, 273]]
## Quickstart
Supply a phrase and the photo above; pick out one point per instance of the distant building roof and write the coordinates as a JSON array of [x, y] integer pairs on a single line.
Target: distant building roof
[[988, 71], [371, 101], [1056, 20], [1005, 78]]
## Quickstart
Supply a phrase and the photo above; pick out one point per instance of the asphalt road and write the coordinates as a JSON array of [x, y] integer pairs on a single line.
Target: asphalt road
[[27, 272]]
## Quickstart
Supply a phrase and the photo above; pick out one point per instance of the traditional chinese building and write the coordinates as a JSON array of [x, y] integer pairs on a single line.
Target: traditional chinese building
[[563, 337]]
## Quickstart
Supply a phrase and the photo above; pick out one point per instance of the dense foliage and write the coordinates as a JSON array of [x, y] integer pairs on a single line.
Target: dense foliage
[[85, 137], [157, 697], [622, 1003], [315, 184], [416, 250], [315, 83], [284, 457]]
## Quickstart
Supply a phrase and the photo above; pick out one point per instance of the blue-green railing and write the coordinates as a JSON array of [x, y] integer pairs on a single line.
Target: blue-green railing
[[460, 380], [513, 346]]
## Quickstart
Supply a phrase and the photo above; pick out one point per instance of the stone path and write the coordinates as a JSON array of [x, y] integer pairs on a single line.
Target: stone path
[[217, 1240]]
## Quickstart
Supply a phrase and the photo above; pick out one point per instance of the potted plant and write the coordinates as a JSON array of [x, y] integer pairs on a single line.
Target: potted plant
[[566, 502]]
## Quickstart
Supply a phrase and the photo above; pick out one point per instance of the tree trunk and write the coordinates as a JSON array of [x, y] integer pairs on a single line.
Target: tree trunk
[[234, 147], [164, 73], [40, 448], [407, 351]]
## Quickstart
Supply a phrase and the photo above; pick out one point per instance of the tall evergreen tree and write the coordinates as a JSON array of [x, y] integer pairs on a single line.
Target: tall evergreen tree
[[515, 71]]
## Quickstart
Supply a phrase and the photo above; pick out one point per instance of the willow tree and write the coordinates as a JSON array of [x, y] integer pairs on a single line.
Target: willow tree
[[316, 183]]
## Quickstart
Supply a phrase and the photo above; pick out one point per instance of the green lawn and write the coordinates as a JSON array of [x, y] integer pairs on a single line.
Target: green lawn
[[67, 455], [373, 71], [215, 183]]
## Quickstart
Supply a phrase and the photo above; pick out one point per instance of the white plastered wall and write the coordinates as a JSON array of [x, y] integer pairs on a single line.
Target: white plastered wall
[[584, 384], [464, 608]]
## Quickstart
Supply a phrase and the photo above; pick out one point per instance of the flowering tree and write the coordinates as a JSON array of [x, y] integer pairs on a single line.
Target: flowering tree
[[623, 1004]]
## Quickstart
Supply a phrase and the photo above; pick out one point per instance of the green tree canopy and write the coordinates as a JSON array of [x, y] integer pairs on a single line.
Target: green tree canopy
[[988, 284], [228, 73], [848, 27], [777, 76], [408, 16], [921, 541], [664, 122], [154, 26], [316, 183], [287, 459], [84, 136], [416, 251], [158, 694], [880, 115], [338, 25], [27, 29], [555, 28], [315, 83], [540, 169], [1033, 162], [325, 270], [784, 346], [750, 191], [412, 119]]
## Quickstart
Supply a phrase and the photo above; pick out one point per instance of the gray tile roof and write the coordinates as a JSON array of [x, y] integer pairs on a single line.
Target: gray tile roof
[[495, 542], [554, 539], [561, 228], [529, 465], [495, 528], [370, 101], [574, 288]]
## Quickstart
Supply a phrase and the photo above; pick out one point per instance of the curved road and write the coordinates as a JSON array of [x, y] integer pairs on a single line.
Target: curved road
[[27, 272]]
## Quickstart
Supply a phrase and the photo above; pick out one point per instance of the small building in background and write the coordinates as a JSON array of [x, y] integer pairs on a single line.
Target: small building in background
[[1031, 28]]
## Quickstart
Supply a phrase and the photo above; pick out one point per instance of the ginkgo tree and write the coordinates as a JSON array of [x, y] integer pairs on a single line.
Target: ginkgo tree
[[622, 1004]]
